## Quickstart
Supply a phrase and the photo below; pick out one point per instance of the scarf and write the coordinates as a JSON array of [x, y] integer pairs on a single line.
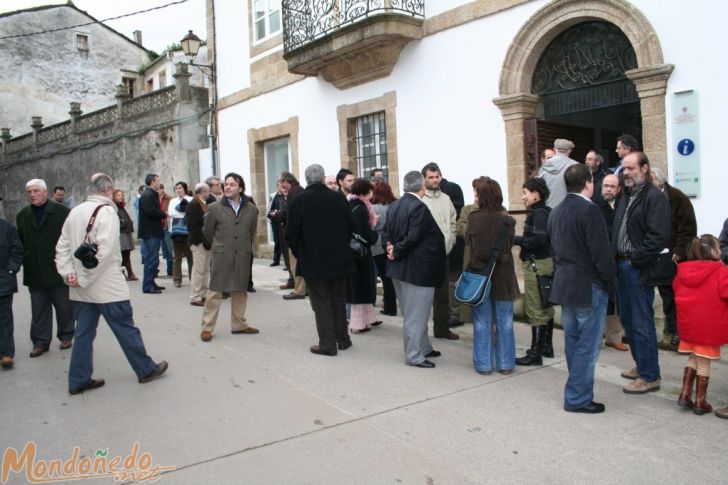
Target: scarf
[[373, 218]]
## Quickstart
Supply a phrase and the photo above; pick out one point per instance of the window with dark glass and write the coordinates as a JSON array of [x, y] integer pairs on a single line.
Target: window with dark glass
[[371, 144]]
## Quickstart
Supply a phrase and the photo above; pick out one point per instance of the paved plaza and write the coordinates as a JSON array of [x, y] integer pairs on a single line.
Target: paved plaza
[[261, 409]]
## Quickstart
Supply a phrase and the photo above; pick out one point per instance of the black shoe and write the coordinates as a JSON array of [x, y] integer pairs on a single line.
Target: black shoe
[[315, 349], [449, 336], [425, 364], [154, 291], [547, 349], [377, 323], [533, 355], [389, 314], [158, 370], [160, 288], [344, 344], [94, 384], [434, 353], [591, 408], [275, 263], [252, 290]]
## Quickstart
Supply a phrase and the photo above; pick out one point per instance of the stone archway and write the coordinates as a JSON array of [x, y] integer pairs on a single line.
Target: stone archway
[[517, 103]]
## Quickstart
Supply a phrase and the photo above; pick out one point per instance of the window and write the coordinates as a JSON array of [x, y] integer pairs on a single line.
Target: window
[[162, 79], [129, 83], [371, 144], [82, 42], [267, 18]]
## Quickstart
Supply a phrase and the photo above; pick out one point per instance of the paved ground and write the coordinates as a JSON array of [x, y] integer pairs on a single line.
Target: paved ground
[[262, 409]]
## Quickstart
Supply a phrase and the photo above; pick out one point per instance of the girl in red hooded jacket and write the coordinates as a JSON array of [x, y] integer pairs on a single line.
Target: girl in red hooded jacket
[[701, 296]]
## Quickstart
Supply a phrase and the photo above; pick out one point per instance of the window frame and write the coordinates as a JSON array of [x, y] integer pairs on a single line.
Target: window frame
[[266, 17]]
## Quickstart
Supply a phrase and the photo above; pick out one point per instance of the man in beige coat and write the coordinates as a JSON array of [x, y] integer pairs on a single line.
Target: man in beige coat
[[230, 224]]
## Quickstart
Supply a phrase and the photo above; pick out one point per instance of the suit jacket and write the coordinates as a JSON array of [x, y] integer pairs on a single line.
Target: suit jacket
[[582, 254], [150, 215], [232, 239], [39, 245], [318, 231], [419, 246], [195, 223], [684, 226]]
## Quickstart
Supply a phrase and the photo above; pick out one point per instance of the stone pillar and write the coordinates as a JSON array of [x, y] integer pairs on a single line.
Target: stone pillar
[[37, 124], [515, 109], [651, 84], [122, 94], [5, 136], [182, 81], [75, 112]]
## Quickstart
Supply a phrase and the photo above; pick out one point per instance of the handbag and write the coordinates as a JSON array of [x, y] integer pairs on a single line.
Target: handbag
[[660, 271], [544, 283], [359, 246], [473, 286]]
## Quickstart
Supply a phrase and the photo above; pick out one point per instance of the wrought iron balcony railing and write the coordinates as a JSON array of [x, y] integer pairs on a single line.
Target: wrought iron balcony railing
[[305, 21]]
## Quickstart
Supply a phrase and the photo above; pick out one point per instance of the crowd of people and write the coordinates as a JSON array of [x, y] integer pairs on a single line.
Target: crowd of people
[[606, 238]]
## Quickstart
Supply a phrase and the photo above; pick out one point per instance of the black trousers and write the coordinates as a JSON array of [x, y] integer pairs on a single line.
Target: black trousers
[[7, 343], [42, 303], [275, 229], [328, 302], [441, 307], [668, 308], [389, 297]]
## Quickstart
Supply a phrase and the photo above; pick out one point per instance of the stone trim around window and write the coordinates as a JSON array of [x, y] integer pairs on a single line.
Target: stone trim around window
[[257, 137], [347, 115]]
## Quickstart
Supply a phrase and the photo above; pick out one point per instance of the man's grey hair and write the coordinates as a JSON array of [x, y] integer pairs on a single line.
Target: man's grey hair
[[598, 156], [658, 176], [200, 187], [36, 182], [314, 174], [413, 181], [208, 180], [100, 184]]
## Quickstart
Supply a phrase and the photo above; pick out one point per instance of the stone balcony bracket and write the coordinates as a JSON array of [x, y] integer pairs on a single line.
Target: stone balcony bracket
[[356, 53]]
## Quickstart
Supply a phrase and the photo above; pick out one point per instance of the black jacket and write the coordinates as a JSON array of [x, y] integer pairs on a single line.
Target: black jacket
[[11, 257], [648, 226], [195, 222], [150, 215], [684, 226], [535, 239], [419, 246], [362, 283], [318, 231], [582, 254], [453, 190]]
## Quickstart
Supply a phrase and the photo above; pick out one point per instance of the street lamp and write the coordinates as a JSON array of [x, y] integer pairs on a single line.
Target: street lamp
[[191, 46]]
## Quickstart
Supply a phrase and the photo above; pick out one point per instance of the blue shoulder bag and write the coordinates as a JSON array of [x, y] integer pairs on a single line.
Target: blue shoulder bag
[[474, 285]]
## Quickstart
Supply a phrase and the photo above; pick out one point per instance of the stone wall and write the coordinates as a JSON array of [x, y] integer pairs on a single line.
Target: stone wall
[[41, 73], [160, 132]]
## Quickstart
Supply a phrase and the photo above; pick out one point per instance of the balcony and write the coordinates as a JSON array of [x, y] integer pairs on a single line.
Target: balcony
[[348, 42]]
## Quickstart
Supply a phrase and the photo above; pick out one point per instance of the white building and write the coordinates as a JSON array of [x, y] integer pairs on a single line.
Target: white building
[[479, 87]]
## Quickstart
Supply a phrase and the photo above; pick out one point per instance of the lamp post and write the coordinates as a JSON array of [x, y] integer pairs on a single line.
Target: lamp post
[[191, 46]]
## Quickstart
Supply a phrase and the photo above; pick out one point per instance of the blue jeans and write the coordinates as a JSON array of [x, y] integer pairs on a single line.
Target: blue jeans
[[119, 317], [7, 342], [638, 319], [583, 330], [150, 254], [167, 251], [505, 342]]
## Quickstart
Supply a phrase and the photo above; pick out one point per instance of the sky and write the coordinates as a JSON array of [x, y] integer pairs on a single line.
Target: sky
[[160, 28]]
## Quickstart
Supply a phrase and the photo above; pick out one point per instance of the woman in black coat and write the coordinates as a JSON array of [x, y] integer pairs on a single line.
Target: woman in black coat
[[361, 291], [126, 228]]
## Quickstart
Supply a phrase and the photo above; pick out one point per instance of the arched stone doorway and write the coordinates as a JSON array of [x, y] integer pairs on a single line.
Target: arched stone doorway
[[518, 103]]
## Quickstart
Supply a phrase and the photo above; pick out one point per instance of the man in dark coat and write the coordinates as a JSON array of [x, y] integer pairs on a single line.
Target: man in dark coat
[[583, 277], [11, 257], [455, 258], [318, 230], [39, 226], [683, 230], [151, 232], [275, 226], [595, 161], [416, 264], [641, 233], [291, 188]]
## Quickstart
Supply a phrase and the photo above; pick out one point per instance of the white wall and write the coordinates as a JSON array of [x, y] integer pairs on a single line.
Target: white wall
[[232, 46], [445, 84]]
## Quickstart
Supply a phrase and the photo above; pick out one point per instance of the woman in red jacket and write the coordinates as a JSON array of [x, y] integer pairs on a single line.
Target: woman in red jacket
[[701, 296]]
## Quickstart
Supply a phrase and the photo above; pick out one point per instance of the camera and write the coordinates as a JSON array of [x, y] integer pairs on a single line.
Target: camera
[[86, 253]]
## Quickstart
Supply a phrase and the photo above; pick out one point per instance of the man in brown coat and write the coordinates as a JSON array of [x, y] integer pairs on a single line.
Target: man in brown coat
[[230, 224], [683, 229]]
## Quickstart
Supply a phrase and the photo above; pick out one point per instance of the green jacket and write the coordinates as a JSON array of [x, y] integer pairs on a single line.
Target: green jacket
[[39, 245]]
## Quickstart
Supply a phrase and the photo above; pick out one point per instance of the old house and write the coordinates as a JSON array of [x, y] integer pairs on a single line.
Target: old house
[[477, 86], [44, 69]]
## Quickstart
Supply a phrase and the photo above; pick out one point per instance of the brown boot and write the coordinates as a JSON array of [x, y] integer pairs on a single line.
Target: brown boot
[[685, 400], [701, 405]]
